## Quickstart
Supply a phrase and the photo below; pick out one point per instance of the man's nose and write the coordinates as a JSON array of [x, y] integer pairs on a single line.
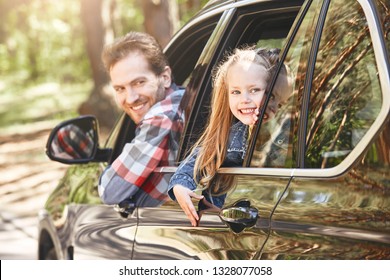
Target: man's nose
[[131, 95]]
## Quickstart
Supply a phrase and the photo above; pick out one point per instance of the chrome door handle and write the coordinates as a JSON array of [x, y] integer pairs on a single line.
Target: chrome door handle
[[125, 208], [239, 216]]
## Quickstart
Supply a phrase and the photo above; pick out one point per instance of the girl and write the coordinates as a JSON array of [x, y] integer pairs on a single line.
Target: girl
[[239, 82]]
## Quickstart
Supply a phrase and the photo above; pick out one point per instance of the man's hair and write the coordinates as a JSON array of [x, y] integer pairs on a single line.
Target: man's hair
[[135, 42]]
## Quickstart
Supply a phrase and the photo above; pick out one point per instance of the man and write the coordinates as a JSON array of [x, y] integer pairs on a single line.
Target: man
[[142, 80]]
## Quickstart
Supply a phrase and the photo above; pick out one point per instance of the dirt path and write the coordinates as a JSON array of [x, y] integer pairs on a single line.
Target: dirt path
[[27, 177]]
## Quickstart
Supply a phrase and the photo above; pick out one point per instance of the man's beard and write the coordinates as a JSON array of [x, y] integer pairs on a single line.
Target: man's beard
[[160, 94]]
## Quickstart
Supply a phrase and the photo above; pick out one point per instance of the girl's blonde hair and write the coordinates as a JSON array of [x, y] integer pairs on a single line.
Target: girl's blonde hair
[[213, 142]]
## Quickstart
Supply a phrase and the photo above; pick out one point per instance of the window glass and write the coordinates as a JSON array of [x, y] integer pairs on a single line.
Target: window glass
[[272, 33], [384, 17], [266, 29], [276, 143], [345, 96], [184, 52]]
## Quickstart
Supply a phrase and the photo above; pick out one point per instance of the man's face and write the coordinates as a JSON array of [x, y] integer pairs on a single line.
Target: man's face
[[137, 87]]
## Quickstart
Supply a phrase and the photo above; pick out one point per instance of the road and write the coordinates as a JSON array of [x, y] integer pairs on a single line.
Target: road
[[27, 178]]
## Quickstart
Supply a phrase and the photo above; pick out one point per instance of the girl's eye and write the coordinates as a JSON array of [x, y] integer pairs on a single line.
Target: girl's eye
[[255, 90], [235, 92]]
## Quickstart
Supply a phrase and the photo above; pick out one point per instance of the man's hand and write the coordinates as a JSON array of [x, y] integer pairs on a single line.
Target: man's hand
[[183, 196]]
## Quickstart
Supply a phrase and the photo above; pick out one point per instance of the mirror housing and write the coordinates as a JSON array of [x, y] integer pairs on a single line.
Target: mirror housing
[[76, 141]]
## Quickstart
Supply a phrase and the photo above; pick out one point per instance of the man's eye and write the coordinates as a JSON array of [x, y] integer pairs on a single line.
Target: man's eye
[[119, 89], [140, 83]]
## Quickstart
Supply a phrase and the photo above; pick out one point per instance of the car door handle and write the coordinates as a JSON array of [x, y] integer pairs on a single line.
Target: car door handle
[[125, 208], [239, 216]]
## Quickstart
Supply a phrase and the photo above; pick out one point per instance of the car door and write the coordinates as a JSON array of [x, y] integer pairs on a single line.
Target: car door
[[165, 232], [331, 138], [75, 224]]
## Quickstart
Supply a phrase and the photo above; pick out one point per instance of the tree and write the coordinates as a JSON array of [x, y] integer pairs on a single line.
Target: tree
[[100, 102], [161, 19], [5, 8]]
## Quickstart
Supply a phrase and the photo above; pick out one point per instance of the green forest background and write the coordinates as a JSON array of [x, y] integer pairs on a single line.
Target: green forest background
[[50, 64]]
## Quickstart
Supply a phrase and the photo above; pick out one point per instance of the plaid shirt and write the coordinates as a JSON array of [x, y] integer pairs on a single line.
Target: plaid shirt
[[71, 142], [155, 144]]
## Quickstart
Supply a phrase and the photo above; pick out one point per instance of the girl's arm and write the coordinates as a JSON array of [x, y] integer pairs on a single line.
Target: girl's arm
[[181, 188]]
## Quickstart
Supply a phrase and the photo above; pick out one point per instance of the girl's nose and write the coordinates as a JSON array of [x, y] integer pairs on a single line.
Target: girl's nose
[[246, 97]]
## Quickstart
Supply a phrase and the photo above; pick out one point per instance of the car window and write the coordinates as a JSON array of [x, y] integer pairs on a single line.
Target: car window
[[183, 53], [251, 25], [346, 95], [276, 142], [384, 15], [269, 31]]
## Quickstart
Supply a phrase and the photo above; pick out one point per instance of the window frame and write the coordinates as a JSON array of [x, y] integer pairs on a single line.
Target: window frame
[[382, 64], [229, 34]]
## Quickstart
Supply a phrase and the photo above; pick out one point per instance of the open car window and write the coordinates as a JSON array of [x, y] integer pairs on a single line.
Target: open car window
[[260, 28]]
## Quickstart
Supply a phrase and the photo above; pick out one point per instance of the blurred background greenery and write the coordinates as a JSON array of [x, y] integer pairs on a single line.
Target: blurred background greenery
[[50, 64]]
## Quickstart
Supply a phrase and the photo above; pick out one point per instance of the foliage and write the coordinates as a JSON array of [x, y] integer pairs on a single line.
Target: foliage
[[41, 38], [127, 16], [45, 39], [45, 69], [188, 8], [43, 104]]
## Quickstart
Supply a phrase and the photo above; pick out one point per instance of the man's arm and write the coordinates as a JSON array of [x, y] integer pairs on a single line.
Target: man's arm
[[137, 161]]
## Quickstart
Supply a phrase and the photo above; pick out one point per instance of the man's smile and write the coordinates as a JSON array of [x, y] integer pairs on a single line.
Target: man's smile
[[138, 107]]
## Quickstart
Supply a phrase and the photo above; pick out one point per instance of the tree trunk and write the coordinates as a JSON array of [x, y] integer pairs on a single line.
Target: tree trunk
[[161, 19], [101, 101], [5, 8]]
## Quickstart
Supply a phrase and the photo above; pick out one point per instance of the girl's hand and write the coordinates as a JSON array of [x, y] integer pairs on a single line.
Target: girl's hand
[[183, 196]]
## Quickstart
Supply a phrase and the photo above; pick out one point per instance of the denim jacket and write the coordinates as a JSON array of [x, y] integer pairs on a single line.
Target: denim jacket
[[237, 145]]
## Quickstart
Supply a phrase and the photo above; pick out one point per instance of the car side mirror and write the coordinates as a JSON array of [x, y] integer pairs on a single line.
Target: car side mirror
[[74, 141]]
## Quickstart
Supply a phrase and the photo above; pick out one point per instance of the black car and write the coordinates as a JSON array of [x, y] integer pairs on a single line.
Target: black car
[[316, 181]]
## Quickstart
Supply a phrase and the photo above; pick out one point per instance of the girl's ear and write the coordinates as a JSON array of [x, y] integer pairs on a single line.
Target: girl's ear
[[166, 75]]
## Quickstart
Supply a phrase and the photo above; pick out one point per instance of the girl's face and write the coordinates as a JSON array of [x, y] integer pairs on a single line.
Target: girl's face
[[246, 82]]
